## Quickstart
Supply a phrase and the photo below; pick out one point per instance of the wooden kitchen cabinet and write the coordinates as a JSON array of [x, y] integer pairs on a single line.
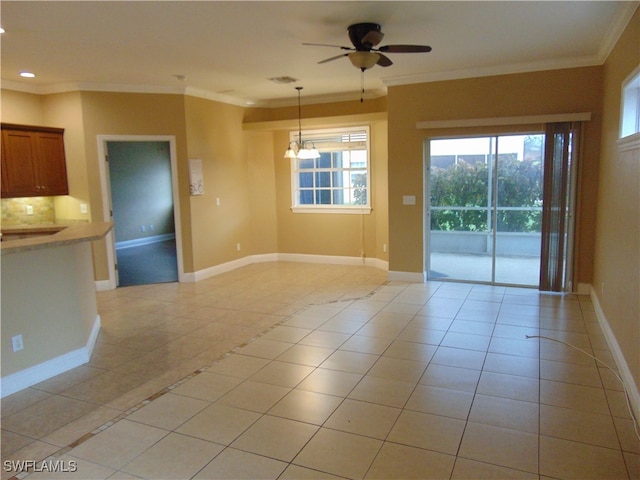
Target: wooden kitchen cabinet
[[33, 161]]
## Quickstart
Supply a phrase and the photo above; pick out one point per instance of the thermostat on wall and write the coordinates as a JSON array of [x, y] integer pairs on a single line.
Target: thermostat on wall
[[196, 179]]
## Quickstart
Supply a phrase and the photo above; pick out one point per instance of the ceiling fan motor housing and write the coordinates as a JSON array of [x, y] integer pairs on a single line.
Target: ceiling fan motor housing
[[365, 36]]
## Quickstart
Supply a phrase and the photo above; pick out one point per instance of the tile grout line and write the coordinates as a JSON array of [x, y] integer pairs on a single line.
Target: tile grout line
[[63, 450]]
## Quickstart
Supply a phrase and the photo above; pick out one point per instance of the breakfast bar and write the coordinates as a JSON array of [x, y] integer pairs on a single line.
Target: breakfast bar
[[49, 315]]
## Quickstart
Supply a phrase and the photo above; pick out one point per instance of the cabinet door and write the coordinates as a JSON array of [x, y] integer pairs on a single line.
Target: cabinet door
[[51, 169], [18, 167], [33, 162]]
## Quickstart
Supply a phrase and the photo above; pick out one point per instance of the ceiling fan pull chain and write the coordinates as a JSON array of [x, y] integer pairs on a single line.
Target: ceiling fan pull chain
[[361, 85]]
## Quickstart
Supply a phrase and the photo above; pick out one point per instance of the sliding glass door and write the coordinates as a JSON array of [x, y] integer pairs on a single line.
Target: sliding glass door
[[485, 208]]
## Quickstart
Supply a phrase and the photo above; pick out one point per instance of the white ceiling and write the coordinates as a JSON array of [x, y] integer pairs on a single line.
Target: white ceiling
[[229, 50]]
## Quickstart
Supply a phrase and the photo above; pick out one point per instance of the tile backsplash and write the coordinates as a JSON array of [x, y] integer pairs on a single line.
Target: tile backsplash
[[15, 211]]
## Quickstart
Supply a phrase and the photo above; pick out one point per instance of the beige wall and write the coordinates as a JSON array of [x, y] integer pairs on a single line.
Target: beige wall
[[262, 192], [106, 113], [22, 108], [64, 290], [66, 109], [617, 254], [536, 93], [215, 136], [342, 235], [62, 111]]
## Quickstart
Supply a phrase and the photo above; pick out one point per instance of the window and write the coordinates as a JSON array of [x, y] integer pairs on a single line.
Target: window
[[337, 181], [630, 123]]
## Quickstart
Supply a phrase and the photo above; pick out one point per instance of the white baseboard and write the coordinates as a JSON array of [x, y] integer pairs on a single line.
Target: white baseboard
[[103, 285], [223, 268], [621, 363], [283, 257], [331, 259], [38, 373], [413, 277]]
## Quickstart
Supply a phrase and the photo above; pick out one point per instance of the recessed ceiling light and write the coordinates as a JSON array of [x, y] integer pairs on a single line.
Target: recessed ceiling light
[[27, 74]]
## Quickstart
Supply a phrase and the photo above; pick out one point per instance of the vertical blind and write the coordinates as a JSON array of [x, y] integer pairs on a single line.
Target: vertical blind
[[560, 151]]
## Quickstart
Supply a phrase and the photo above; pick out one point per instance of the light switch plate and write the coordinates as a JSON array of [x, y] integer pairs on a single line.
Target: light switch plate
[[408, 199]]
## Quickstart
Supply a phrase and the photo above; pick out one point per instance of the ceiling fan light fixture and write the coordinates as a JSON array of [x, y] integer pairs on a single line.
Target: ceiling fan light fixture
[[364, 60]]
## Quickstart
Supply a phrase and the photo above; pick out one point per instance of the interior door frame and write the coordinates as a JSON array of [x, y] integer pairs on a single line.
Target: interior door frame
[[107, 209]]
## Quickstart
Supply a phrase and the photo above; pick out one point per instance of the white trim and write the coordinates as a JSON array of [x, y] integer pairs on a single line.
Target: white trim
[[332, 260], [630, 106], [332, 209], [284, 257], [500, 121], [106, 196], [616, 29], [38, 373], [317, 135], [412, 277], [221, 268], [623, 368], [629, 143], [478, 72], [104, 285], [138, 242], [370, 94]]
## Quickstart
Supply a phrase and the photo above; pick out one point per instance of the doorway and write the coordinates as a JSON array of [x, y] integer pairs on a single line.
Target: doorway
[[139, 183], [484, 211]]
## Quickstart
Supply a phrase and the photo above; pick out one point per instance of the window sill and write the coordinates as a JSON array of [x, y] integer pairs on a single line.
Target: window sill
[[630, 142], [332, 209]]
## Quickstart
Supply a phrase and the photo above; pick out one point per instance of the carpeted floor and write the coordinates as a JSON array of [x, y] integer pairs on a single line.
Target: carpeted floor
[[146, 264]]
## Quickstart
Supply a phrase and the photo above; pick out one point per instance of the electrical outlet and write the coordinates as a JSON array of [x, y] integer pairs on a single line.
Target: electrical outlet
[[218, 201], [83, 208], [384, 247], [151, 228], [17, 343], [29, 209], [143, 228], [237, 246]]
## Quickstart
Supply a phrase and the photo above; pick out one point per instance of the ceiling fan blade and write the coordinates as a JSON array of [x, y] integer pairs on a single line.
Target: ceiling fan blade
[[372, 38], [325, 45], [404, 48], [333, 58], [384, 61]]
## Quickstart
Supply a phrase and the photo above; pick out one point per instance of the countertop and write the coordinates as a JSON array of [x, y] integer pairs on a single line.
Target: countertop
[[53, 235]]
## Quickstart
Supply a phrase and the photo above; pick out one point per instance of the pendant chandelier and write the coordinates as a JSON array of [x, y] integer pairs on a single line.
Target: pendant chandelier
[[298, 148]]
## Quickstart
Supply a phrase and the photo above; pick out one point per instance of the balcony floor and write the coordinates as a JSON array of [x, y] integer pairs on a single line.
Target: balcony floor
[[510, 270]]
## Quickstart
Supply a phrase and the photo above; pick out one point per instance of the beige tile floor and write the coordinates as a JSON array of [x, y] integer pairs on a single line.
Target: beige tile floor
[[296, 371]]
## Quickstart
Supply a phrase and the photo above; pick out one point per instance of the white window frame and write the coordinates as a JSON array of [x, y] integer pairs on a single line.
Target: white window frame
[[630, 111], [312, 136]]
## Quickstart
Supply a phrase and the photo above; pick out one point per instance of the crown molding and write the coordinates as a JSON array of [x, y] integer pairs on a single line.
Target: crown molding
[[190, 91], [611, 38], [90, 87], [616, 30], [588, 61], [371, 94]]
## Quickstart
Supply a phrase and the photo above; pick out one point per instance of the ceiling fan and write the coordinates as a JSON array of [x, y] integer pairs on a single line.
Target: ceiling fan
[[363, 55]]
